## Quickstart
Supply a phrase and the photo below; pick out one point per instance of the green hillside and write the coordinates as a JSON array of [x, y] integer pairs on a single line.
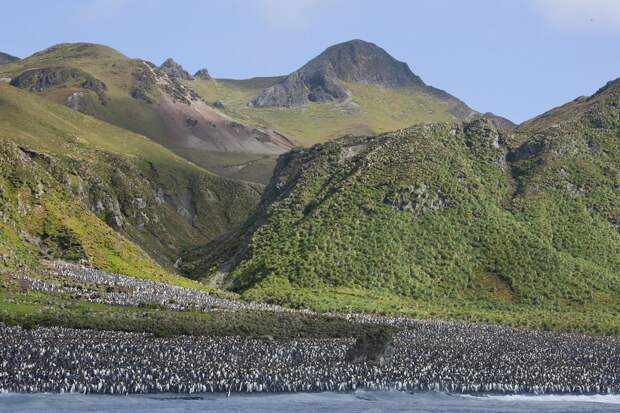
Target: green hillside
[[136, 95], [351, 88], [117, 72], [448, 220], [371, 109], [212, 123], [7, 58], [78, 189]]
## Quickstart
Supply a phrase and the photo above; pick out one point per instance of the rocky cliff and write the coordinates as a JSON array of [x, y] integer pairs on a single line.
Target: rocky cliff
[[353, 61]]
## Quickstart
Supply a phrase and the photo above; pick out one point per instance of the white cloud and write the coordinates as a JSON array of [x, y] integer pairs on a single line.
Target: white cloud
[[580, 15], [291, 14]]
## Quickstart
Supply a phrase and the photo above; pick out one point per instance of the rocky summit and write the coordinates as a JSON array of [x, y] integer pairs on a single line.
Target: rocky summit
[[202, 74], [175, 70], [353, 61]]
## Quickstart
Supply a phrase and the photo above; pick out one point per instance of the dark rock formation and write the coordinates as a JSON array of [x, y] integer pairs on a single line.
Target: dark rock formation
[[372, 347], [145, 83], [498, 121], [318, 80], [175, 70], [202, 74], [38, 80], [7, 58]]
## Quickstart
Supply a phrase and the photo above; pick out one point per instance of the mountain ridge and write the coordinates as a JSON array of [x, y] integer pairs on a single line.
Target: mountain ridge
[[7, 58], [134, 94], [459, 218], [318, 80]]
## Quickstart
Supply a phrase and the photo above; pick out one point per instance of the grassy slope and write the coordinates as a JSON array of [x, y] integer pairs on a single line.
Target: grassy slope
[[79, 163], [512, 243], [119, 73], [31, 309], [373, 110], [39, 218], [107, 65]]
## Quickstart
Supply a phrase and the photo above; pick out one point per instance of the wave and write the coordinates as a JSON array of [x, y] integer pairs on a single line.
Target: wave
[[572, 398]]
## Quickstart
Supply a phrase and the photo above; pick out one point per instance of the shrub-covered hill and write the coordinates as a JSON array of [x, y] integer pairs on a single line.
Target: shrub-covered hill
[[444, 220], [76, 188]]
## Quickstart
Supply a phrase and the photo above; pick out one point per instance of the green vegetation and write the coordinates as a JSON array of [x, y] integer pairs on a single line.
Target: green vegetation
[[134, 95], [75, 188], [37, 309], [372, 109], [116, 71], [447, 221]]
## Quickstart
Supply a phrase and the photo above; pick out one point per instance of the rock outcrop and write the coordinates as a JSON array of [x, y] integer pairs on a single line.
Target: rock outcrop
[[175, 70], [373, 347], [202, 74], [319, 79], [38, 80]]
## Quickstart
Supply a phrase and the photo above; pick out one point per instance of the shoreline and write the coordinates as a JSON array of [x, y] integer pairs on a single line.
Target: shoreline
[[360, 393], [458, 359]]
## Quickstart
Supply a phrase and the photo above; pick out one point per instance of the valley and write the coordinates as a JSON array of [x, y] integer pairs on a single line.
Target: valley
[[345, 226]]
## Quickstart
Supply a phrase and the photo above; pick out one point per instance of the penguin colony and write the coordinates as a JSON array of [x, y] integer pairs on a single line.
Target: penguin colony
[[83, 283], [427, 355]]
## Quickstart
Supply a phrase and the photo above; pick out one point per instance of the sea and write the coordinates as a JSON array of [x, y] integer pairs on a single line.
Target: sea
[[359, 401]]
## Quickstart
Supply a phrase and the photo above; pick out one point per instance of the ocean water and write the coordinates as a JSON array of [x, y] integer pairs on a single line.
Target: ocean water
[[360, 401]]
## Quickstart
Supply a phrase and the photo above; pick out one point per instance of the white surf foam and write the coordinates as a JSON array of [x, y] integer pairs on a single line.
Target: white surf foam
[[573, 398]]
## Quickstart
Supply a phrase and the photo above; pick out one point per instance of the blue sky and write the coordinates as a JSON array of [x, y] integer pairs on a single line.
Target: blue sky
[[516, 58]]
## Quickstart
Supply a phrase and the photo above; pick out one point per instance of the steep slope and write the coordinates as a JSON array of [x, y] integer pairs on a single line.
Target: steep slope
[[7, 58], [324, 78], [445, 220], [175, 70], [596, 111], [137, 96], [353, 88], [77, 188], [318, 80]]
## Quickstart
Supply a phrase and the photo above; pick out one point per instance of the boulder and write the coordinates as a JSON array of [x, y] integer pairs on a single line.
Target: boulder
[[202, 74], [371, 347]]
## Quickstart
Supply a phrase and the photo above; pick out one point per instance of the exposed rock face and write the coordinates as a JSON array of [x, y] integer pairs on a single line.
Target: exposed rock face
[[318, 80], [175, 70], [7, 58], [145, 83], [373, 347], [202, 74], [38, 80]]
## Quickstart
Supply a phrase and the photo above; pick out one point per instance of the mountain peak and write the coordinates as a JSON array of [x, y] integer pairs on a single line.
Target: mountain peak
[[7, 58], [352, 61], [364, 62], [79, 50], [202, 74], [173, 69]]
